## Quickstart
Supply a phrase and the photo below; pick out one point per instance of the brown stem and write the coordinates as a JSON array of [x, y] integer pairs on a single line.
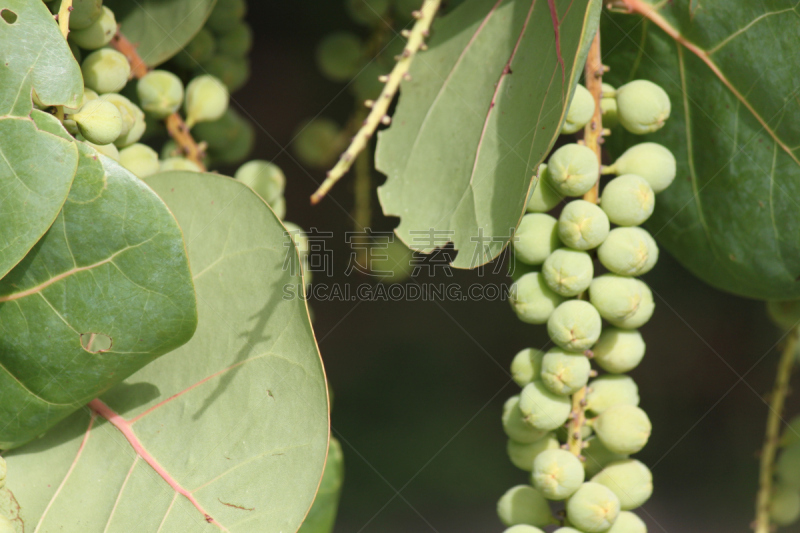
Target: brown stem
[[176, 127], [575, 437]]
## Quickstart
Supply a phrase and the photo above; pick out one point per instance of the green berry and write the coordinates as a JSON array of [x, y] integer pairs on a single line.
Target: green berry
[[564, 372], [619, 350], [226, 14], [642, 106], [140, 159], [543, 196], [239, 149], [317, 142], [593, 508], [788, 466], [532, 300], [200, 49], [279, 208], [179, 163], [628, 200], [543, 409], [625, 302], [160, 93], [536, 238], [265, 178], [299, 237], [573, 169], [791, 434], [236, 42], [557, 474], [76, 51], [516, 427], [206, 100], [523, 454], [627, 522], [108, 150], [583, 225], [105, 71], [598, 456], [566, 529], [623, 429], [784, 505], [568, 272], [580, 110], [524, 505], [785, 314], [608, 105], [99, 121], [575, 325], [650, 161], [232, 71], [98, 34], [609, 390], [221, 133], [526, 366], [84, 13], [523, 528], [133, 121], [628, 252], [339, 55], [367, 12], [630, 480]]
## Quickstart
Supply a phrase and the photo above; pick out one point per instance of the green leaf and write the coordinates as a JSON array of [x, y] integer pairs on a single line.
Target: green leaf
[[237, 418], [113, 269], [322, 515], [160, 28], [732, 216], [483, 107], [34, 55]]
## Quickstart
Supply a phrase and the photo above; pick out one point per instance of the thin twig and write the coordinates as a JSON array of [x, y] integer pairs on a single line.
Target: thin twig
[[176, 127], [771, 438], [380, 106], [63, 17], [575, 436]]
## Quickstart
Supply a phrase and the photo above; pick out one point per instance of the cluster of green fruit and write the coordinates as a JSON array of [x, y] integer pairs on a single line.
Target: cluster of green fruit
[[556, 284]]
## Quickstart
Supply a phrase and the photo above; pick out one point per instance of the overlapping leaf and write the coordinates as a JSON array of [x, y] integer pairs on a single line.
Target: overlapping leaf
[[482, 109], [732, 216], [113, 269], [160, 28], [322, 516], [231, 428]]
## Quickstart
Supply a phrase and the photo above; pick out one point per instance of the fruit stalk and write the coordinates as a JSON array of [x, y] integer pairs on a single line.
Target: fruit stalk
[[380, 106], [63, 17], [176, 127], [771, 438]]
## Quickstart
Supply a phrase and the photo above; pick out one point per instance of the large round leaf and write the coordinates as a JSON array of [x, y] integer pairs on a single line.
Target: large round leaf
[[732, 216], [228, 432], [482, 108], [103, 293]]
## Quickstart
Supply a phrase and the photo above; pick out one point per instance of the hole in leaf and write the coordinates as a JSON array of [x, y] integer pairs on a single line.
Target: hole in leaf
[[96, 342], [9, 16]]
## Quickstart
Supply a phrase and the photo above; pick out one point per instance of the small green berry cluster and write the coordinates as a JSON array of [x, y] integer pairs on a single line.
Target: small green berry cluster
[[572, 429]]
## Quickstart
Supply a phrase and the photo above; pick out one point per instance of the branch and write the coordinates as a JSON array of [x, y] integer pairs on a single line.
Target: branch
[[777, 400], [63, 17], [175, 124], [574, 435], [380, 106]]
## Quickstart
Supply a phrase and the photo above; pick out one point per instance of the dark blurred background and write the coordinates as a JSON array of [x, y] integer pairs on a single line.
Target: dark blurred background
[[419, 386]]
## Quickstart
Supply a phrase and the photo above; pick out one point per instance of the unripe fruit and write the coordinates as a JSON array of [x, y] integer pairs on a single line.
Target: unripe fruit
[[791, 434], [573, 169], [532, 300], [179, 163], [232, 71], [788, 466], [265, 178], [642, 106], [628, 252], [598, 456], [623, 429], [84, 13], [516, 427], [557, 474], [526, 366], [568, 272], [522, 454], [523, 528], [583, 225], [619, 350], [318, 142], [226, 14], [236, 42], [593, 508], [784, 505], [367, 12], [566, 529], [628, 200], [627, 522], [339, 55], [541, 408], [544, 196], [98, 34], [140, 159], [609, 390], [299, 238], [99, 121], [524, 505], [108, 150], [206, 100], [625, 302], [608, 105], [105, 71], [133, 122], [630, 480], [279, 208], [650, 161], [575, 325], [580, 110], [564, 372], [160, 93], [536, 238], [199, 50]]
